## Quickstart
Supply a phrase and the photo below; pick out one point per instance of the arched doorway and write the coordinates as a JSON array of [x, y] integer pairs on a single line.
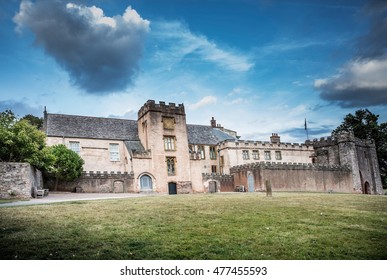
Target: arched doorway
[[250, 183], [367, 188], [212, 187], [146, 183]]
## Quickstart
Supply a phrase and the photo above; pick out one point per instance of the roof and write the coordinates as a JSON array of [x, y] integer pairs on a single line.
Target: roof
[[206, 135], [71, 126], [91, 127]]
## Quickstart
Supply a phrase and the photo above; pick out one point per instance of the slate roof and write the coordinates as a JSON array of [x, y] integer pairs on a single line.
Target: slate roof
[[206, 135], [91, 127], [134, 146], [71, 126]]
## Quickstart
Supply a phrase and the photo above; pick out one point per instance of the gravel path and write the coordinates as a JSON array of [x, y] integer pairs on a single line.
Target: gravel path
[[55, 197]]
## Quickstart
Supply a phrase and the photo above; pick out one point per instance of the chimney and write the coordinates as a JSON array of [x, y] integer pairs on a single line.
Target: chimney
[[213, 122], [274, 138]]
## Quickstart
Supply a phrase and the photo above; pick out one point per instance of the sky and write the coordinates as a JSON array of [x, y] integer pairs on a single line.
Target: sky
[[257, 66]]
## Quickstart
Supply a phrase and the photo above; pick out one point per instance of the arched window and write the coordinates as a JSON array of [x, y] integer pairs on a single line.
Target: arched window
[[146, 183]]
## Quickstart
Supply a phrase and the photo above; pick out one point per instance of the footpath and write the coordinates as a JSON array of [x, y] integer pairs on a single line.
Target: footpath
[[55, 197]]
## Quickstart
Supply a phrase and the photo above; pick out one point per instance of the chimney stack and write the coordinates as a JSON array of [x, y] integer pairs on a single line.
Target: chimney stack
[[213, 122], [275, 139]]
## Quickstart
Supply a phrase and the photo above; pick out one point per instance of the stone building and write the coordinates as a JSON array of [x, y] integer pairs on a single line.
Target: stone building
[[160, 152]]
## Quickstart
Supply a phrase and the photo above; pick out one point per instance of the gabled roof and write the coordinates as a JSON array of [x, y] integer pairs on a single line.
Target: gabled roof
[[206, 135], [90, 127]]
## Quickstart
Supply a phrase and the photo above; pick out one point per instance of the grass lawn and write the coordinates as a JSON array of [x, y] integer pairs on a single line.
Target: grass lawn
[[200, 226]]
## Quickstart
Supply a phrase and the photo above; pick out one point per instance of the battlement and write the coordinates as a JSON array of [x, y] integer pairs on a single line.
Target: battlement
[[288, 166], [217, 176], [322, 142], [161, 107], [107, 175], [241, 144]]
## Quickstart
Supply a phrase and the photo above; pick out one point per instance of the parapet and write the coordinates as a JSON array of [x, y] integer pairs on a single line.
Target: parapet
[[289, 166], [218, 177], [161, 107], [322, 142], [264, 145], [107, 175]]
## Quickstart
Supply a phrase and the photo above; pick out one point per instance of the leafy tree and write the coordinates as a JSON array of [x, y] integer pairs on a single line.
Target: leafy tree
[[7, 119], [36, 121], [22, 142], [364, 125], [67, 164]]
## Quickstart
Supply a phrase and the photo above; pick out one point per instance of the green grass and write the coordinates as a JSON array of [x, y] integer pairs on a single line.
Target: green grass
[[201, 226]]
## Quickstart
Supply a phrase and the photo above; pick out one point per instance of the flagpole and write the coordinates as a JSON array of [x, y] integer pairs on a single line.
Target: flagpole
[[306, 129]]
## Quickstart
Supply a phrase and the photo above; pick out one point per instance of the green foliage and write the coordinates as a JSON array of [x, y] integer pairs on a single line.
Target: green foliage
[[364, 125], [67, 164], [35, 121], [22, 142]]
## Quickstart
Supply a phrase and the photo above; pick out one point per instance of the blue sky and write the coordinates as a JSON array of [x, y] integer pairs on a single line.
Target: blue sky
[[257, 66]]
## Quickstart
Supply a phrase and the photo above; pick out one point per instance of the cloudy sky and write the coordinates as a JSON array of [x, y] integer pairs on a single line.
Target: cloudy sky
[[257, 66]]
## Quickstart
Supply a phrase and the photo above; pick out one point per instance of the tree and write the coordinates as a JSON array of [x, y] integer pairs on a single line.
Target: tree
[[22, 142], [364, 125], [67, 164], [35, 121]]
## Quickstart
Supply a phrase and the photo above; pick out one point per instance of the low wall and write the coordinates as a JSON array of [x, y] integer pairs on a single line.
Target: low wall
[[98, 182], [224, 183], [295, 177], [18, 180]]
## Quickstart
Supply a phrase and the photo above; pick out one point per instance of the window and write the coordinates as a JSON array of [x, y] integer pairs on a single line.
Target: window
[[201, 152], [278, 155], [267, 155], [255, 154], [213, 152], [74, 146], [213, 168], [245, 154], [169, 143], [114, 152], [192, 149], [171, 166]]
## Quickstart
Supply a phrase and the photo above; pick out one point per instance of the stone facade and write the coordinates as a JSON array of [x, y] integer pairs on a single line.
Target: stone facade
[[160, 152], [293, 177], [98, 182], [360, 155], [19, 180]]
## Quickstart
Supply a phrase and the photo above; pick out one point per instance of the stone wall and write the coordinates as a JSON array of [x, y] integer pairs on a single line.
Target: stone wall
[[295, 177], [218, 183], [18, 180], [98, 182]]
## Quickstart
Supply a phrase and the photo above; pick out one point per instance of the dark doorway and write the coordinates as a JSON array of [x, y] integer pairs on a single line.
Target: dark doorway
[[172, 188]]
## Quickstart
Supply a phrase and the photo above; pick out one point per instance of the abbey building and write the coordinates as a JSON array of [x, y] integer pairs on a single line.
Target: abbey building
[[160, 152]]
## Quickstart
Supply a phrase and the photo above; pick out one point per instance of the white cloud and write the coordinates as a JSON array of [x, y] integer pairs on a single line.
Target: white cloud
[[207, 100], [181, 42]]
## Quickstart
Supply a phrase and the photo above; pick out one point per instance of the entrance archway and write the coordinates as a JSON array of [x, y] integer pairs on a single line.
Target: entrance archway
[[146, 183], [212, 187], [250, 183]]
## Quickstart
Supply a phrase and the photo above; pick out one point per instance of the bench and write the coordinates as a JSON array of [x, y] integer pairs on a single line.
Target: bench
[[40, 193]]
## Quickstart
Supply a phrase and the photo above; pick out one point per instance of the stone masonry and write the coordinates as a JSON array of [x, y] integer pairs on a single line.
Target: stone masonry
[[19, 180]]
